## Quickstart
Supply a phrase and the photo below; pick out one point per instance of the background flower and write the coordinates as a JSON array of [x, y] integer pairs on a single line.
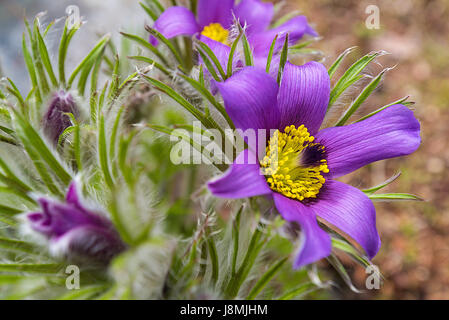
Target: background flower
[[74, 231], [56, 119], [214, 20]]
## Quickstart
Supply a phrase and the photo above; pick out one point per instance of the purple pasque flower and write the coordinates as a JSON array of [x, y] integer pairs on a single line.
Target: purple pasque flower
[[75, 231], [215, 17], [55, 119], [302, 162]]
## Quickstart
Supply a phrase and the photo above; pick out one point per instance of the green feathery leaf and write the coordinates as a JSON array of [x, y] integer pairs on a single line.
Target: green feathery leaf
[[366, 92], [402, 101], [351, 76], [263, 281], [283, 60]]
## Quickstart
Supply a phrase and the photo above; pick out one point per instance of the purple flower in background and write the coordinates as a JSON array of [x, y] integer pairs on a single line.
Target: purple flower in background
[[74, 231], [214, 20], [301, 162], [55, 119]]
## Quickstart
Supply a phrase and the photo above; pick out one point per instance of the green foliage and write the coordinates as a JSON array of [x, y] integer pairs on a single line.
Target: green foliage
[[247, 51], [146, 45], [85, 66], [257, 241], [394, 196], [351, 75], [333, 68], [361, 97], [208, 95], [67, 36], [206, 121], [207, 54], [230, 65], [270, 54], [166, 42], [389, 196], [383, 184], [263, 281], [402, 101], [283, 61]]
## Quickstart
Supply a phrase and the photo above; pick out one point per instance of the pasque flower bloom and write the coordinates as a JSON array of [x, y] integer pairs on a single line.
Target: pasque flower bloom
[[55, 119], [75, 231], [214, 20], [301, 162]]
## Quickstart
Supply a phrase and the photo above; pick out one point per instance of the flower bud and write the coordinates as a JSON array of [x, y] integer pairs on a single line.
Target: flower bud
[[55, 119], [74, 231]]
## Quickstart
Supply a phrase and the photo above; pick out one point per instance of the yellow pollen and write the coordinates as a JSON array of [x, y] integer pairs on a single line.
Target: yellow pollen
[[216, 32], [282, 164]]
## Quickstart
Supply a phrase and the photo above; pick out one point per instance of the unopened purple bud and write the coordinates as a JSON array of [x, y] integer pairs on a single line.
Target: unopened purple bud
[[55, 119], [76, 232]]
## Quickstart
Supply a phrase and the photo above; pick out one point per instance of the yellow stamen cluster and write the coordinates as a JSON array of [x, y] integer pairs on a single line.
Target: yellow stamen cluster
[[216, 32], [282, 164]]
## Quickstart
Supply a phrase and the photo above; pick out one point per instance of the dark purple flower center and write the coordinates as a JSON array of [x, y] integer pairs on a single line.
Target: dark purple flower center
[[313, 155]]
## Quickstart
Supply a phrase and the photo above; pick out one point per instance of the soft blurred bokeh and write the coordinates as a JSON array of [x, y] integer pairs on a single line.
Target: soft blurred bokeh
[[100, 17], [414, 257]]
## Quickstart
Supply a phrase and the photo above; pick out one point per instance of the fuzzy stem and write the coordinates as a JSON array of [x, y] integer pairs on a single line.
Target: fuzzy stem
[[257, 241]]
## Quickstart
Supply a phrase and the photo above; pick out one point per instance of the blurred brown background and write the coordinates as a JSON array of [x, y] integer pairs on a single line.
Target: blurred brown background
[[414, 256]]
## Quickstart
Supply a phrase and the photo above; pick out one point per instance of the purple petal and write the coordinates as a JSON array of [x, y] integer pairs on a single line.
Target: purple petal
[[220, 50], [260, 61], [215, 11], [243, 179], [176, 21], [73, 196], [40, 222], [351, 211], [50, 222], [74, 231], [88, 243], [304, 95], [255, 13], [296, 27], [58, 218], [316, 243], [55, 119], [153, 41], [35, 216], [390, 133], [250, 98]]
